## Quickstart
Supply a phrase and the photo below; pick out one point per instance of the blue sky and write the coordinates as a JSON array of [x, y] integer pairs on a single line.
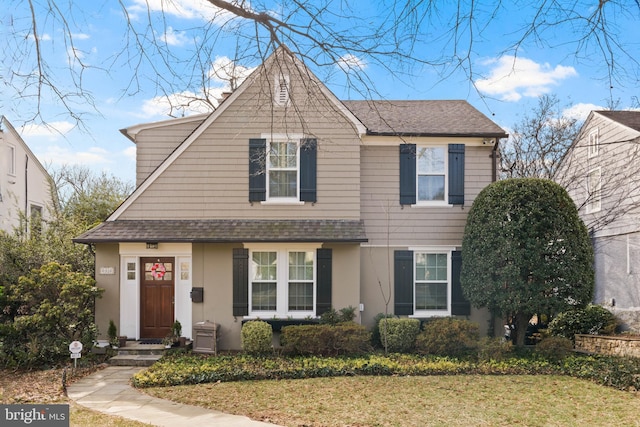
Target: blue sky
[[504, 83]]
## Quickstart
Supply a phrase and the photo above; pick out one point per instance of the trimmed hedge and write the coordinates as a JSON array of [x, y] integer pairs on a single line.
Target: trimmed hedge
[[325, 339], [448, 336], [592, 319], [621, 373], [399, 334], [256, 337]]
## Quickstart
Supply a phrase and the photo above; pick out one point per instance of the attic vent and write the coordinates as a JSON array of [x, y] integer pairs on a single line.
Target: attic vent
[[282, 88]]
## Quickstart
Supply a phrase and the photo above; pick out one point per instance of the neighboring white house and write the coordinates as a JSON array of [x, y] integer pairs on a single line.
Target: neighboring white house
[[24, 182], [600, 172]]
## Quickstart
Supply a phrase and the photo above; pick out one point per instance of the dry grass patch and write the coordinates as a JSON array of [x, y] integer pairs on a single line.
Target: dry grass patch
[[461, 400]]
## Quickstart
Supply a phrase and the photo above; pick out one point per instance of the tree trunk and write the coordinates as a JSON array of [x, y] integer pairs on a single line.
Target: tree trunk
[[522, 321]]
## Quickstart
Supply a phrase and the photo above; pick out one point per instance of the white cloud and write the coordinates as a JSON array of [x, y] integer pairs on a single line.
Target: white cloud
[[511, 78], [350, 62], [580, 111], [174, 38], [51, 129], [130, 153], [58, 155], [179, 104], [186, 9], [223, 70], [80, 36], [186, 103]]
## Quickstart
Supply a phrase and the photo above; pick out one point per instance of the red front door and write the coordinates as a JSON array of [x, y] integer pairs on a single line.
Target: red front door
[[156, 296]]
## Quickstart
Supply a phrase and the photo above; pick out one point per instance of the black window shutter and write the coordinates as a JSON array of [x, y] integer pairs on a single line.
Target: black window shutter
[[323, 286], [308, 170], [403, 282], [240, 282], [257, 170], [407, 174], [460, 306], [456, 174]]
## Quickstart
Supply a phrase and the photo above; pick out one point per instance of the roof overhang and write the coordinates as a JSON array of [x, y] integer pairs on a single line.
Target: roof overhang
[[226, 231]]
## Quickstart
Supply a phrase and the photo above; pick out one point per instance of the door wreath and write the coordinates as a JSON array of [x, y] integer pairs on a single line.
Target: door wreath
[[158, 270]]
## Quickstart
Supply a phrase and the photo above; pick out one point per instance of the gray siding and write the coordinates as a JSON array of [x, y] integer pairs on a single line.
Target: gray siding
[[154, 145], [211, 178], [415, 225], [619, 152]]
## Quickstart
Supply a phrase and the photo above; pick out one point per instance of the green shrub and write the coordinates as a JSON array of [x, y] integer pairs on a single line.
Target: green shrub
[[399, 334], [554, 348], [448, 336], [55, 307], [325, 340], [592, 319], [495, 348], [375, 331], [256, 337]]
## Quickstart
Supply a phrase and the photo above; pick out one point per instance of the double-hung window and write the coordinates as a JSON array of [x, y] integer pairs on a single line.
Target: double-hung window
[[427, 283], [594, 143], [282, 282], [282, 170], [432, 174], [431, 282]]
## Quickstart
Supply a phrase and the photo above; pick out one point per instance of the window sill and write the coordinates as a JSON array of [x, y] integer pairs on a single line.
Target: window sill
[[283, 202], [429, 314], [432, 205]]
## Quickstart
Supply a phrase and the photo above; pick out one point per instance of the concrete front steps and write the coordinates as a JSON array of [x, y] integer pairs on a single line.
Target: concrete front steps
[[137, 354]]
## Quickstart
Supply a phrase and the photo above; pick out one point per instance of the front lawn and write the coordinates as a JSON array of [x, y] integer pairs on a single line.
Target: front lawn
[[460, 400], [404, 390]]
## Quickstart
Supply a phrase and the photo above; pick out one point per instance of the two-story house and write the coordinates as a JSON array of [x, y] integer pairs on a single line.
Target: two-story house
[[285, 202], [25, 190], [600, 172]]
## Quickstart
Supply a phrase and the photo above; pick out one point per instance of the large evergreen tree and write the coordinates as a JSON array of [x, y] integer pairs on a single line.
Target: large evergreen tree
[[526, 251]]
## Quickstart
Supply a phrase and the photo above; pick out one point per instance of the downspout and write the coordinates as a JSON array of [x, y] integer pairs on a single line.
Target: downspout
[[494, 163], [26, 194]]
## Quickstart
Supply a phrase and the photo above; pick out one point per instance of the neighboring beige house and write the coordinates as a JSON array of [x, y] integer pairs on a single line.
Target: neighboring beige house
[[285, 202], [24, 182], [600, 172]]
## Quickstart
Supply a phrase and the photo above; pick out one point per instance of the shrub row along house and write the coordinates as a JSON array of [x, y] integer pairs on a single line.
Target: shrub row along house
[[600, 172], [285, 202]]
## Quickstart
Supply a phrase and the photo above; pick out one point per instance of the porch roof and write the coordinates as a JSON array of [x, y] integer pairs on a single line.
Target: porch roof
[[225, 231]]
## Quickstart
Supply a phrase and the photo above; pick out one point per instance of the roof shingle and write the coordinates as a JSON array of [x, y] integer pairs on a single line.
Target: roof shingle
[[628, 118], [225, 231], [424, 118]]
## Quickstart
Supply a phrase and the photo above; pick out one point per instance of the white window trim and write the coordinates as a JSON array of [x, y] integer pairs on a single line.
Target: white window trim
[[433, 250], [11, 159], [282, 137], [594, 143], [591, 200], [433, 203], [282, 281]]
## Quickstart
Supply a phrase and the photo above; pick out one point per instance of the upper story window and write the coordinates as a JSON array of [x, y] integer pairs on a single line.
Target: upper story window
[[432, 174], [594, 142], [11, 160], [594, 190], [282, 170]]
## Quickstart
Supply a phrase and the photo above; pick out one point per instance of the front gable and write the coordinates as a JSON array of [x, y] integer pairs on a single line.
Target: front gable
[[212, 172]]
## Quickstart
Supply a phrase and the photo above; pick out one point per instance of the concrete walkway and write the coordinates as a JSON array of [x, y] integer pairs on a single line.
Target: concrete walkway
[[109, 391]]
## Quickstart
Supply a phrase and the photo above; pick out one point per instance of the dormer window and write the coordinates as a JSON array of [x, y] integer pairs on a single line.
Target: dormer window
[[282, 90]]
